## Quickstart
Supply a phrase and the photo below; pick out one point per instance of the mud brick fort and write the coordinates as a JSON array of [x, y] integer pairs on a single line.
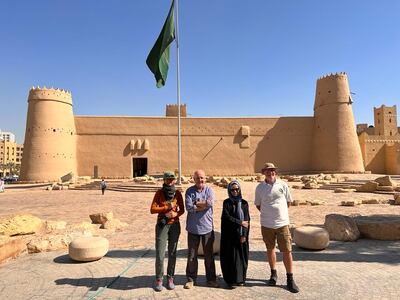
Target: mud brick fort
[[58, 143]]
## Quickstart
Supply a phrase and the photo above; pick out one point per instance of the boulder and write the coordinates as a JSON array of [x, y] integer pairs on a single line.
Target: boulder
[[101, 218], [369, 186], [385, 188], [350, 202], [396, 199], [216, 246], [315, 202], [373, 201], [11, 247], [54, 242], [379, 227], [311, 237], [20, 224], [385, 181], [310, 185], [54, 225], [114, 224], [341, 228], [88, 248]]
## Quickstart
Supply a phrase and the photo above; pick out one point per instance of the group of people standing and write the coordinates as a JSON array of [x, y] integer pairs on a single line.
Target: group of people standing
[[272, 199]]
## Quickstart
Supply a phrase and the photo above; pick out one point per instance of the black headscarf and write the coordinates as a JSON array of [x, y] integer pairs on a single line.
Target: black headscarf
[[237, 202]]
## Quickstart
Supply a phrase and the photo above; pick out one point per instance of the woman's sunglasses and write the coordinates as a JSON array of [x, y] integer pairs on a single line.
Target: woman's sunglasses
[[235, 190]]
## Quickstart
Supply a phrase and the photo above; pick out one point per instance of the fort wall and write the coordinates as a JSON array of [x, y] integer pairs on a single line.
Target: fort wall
[[218, 145]]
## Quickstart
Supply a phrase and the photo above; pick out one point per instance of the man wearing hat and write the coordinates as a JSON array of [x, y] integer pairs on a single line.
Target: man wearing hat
[[168, 204], [272, 199]]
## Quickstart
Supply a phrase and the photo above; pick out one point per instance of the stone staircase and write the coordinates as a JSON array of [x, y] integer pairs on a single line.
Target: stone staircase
[[123, 186]]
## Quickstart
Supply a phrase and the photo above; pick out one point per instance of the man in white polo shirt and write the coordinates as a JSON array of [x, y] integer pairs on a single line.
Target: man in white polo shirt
[[272, 200]]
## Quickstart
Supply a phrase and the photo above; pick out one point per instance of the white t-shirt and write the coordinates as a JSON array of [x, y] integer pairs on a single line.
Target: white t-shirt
[[272, 199]]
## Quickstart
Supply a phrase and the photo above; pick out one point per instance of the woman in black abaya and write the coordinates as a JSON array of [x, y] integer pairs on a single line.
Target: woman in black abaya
[[235, 225]]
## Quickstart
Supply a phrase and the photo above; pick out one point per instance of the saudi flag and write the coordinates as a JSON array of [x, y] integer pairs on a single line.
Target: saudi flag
[[158, 58]]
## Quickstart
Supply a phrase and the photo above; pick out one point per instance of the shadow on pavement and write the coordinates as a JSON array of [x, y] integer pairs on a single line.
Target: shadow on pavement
[[371, 251]]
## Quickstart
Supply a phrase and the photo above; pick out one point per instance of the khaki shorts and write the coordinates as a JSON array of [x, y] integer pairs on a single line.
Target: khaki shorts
[[282, 235]]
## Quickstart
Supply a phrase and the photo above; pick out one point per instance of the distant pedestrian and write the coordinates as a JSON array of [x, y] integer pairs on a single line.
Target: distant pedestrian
[[103, 186], [1, 185], [168, 204], [273, 200]]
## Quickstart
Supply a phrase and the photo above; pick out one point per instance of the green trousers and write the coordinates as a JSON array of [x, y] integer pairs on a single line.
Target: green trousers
[[171, 234]]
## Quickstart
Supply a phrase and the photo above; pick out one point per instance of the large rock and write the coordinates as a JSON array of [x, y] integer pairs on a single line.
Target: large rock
[[350, 202], [311, 237], [341, 228], [54, 242], [369, 186], [88, 248], [379, 227], [385, 188], [385, 181], [216, 246], [20, 224], [55, 225], [114, 224], [11, 247], [396, 199], [101, 218]]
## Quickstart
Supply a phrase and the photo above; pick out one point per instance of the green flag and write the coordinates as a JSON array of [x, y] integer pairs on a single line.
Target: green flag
[[158, 59]]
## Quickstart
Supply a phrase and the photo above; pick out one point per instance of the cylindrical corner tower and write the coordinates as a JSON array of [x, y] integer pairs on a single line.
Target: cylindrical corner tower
[[335, 143], [50, 136]]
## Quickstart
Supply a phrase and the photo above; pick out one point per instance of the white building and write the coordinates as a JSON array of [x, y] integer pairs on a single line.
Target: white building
[[7, 136]]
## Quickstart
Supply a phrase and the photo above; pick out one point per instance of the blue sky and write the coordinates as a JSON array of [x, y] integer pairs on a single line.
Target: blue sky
[[238, 58]]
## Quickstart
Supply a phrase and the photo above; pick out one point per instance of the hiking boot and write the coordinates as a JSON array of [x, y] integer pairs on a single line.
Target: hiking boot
[[188, 285], [158, 287], [213, 284], [170, 284], [273, 279], [291, 285]]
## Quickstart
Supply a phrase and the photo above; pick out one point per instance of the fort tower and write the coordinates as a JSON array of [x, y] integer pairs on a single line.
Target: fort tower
[[335, 144], [50, 136]]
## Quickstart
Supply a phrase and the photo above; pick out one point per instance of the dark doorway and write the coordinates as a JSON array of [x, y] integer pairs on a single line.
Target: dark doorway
[[95, 172], [139, 166]]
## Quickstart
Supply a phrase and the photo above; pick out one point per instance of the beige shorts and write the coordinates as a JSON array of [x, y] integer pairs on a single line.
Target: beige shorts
[[282, 235]]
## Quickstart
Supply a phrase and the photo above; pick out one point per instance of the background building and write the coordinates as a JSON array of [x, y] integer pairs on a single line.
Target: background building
[[10, 156], [7, 136], [380, 144]]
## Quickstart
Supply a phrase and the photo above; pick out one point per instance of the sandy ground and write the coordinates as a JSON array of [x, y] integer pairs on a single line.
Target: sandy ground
[[75, 206]]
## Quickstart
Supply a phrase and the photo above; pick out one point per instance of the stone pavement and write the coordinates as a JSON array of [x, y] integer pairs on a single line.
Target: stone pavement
[[365, 269]]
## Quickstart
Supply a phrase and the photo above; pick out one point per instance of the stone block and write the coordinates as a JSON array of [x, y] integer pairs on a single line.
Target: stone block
[[369, 186], [11, 247], [385, 181], [311, 237], [20, 224], [341, 228], [379, 227], [101, 218]]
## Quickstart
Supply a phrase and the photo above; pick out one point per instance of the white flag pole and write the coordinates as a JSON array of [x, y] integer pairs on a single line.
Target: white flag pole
[[178, 91]]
